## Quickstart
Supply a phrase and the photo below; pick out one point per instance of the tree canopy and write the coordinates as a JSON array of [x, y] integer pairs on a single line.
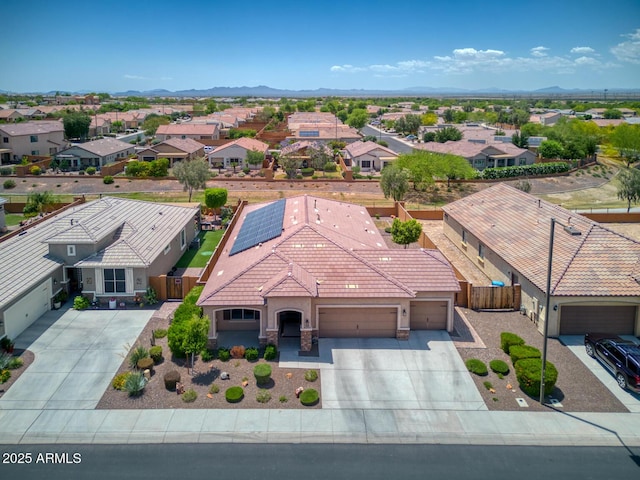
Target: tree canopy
[[626, 138], [193, 174], [394, 182], [215, 197], [629, 186], [76, 125], [404, 233], [448, 133], [550, 149], [357, 118], [254, 157], [152, 122]]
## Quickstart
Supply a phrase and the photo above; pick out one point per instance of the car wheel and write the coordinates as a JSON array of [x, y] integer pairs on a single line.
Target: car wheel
[[621, 380], [589, 348]]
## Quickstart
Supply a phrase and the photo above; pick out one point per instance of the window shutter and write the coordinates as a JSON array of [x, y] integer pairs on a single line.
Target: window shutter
[[99, 279], [128, 280]]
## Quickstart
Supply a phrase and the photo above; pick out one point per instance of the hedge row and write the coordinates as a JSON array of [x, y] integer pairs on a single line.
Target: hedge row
[[525, 170]]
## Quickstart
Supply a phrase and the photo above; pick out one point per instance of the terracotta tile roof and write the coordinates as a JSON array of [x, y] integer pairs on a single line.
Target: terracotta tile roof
[[210, 129], [32, 128], [246, 143], [358, 148], [188, 145], [327, 249], [515, 225], [468, 149]]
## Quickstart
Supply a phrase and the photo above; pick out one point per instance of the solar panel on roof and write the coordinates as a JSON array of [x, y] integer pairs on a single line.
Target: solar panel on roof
[[260, 226]]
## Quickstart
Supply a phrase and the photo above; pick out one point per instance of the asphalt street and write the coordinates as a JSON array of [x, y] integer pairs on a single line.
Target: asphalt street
[[396, 145]]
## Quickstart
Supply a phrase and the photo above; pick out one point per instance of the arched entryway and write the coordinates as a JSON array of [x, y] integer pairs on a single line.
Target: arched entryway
[[289, 322]]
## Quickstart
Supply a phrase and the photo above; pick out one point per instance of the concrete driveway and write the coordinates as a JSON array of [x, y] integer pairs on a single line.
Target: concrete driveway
[[629, 399], [76, 355], [423, 373]]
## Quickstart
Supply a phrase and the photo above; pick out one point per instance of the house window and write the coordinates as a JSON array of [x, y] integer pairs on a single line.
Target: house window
[[522, 161], [5, 139], [35, 152], [183, 238], [114, 280], [366, 163], [34, 138], [241, 314], [481, 251], [71, 250], [464, 236], [167, 249]]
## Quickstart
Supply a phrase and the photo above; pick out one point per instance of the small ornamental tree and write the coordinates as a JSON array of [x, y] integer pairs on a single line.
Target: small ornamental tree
[[195, 337], [192, 174], [254, 158], [404, 233], [215, 198]]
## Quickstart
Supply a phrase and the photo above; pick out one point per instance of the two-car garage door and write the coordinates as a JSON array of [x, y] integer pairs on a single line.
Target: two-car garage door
[[27, 310], [580, 319], [428, 315], [339, 322]]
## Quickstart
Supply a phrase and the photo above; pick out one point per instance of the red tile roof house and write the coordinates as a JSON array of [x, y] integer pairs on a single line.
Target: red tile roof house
[[369, 156], [481, 155], [595, 275], [312, 267], [174, 149], [195, 131], [236, 152]]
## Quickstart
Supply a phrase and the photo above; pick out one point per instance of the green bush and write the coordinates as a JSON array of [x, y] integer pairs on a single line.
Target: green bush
[[214, 388], [309, 397], [193, 295], [15, 363], [80, 303], [224, 354], [487, 385], [283, 399], [307, 172], [91, 170], [520, 352], [135, 383], [9, 184], [170, 379], [35, 170], [155, 353], [499, 366], [5, 375], [525, 170], [311, 375], [137, 354], [119, 380], [263, 396], [107, 180], [476, 366], [330, 167], [507, 339], [528, 373], [159, 333], [234, 394], [189, 396], [145, 363], [178, 328], [262, 372], [207, 355], [270, 352], [251, 354], [4, 171]]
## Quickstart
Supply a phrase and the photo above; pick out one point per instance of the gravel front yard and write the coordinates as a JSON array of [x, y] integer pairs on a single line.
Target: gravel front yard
[[577, 388]]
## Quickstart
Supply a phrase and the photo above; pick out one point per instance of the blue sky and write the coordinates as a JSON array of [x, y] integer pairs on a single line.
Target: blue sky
[[307, 44]]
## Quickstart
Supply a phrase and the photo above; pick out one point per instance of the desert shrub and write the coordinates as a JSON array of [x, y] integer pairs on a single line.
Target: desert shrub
[[193, 295], [8, 184], [159, 333], [307, 172], [119, 380], [251, 354], [309, 397], [207, 355], [387, 229], [15, 363], [80, 303], [214, 388], [223, 354], [35, 170], [330, 167], [262, 372], [189, 396], [499, 366], [234, 394], [283, 399], [237, 351], [170, 379], [178, 328], [476, 366], [525, 170], [4, 171], [507, 339], [263, 396], [145, 363], [270, 352], [246, 170], [311, 375], [487, 385], [5, 375], [107, 180], [520, 352], [528, 372], [91, 170], [137, 354], [135, 383], [155, 353]]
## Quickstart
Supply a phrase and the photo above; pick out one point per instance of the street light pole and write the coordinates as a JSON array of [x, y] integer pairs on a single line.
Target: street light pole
[[546, 311]]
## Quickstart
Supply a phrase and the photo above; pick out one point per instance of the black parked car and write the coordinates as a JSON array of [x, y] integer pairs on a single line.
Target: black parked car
[[621, 357]]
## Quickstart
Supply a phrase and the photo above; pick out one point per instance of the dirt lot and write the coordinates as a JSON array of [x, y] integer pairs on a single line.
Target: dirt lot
[[577, 388]]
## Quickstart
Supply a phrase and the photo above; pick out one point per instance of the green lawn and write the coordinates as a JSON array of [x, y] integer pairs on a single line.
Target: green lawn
[[13, 219], [198, 258]]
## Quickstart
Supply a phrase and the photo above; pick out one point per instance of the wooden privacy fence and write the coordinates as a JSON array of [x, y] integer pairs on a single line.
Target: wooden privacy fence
[[494, 298]]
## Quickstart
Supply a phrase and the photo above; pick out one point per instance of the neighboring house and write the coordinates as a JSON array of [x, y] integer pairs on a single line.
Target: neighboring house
[[30, 138], [481, 155], [236, 153], [174, 149], [550, 118], [100, 126], [131, 120], [195, 131], [594, 282], [369, 156], [11, 115], [320, 126], [105, 248], [301, 147], [96, 154], [3, 224], [310, 267]]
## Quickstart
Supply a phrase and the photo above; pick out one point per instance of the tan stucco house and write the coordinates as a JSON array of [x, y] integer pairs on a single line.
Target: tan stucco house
[[30, 138]]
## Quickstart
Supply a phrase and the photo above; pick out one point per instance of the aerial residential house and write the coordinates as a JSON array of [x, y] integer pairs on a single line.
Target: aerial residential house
[[11, 115], [100, 126], [106, 248], [369, 156], [174, 149], [97, 153], [595, 271], [481, 155], [30, 138], [195, 131], [550, 118], [320, 126], [313, 268], [235, 153]]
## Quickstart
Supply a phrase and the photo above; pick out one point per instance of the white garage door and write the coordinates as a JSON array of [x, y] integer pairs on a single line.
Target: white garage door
[[27, 310], [428, 315], [358, 322]]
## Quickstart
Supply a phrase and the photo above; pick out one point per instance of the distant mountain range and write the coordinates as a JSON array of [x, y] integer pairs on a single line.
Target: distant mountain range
[[264, 91]]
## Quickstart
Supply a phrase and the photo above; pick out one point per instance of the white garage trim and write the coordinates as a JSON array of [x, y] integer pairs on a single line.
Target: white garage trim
[[28, 309]]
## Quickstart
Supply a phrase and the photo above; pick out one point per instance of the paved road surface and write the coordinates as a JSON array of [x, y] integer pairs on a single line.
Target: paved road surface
[[396, 145]]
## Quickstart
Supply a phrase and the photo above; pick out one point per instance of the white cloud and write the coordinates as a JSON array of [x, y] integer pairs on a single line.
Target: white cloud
[[346, 68], [472, 53], [582, 50], [539, 51], [134, 77], [587, 61], [628, 51]]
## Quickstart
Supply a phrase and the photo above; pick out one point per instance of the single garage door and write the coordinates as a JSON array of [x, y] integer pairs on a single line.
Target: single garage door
[[27, 310], [358, 322], [428, 315], [580, 319]]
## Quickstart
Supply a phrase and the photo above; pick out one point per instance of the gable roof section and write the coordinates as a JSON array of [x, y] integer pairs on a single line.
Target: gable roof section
[[187, 145], [516, 226], [209, 129], [244, 142], [32, 128], [102, 147], [358, 148]]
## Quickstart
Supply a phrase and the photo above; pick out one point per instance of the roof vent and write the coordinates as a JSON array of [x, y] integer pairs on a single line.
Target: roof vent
[[571, 230]]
